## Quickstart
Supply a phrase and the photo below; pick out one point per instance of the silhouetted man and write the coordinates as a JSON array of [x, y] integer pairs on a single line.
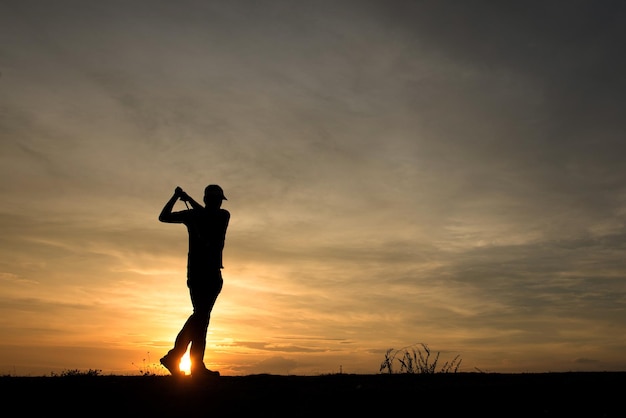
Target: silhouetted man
[[206, 227]]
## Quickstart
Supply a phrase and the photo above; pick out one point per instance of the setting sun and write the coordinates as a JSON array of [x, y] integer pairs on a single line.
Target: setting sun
[[185, 364]]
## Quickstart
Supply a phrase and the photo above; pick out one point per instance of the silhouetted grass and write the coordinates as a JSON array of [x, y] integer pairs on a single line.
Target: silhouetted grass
[[78, 373], [150, 369], [413, 360]]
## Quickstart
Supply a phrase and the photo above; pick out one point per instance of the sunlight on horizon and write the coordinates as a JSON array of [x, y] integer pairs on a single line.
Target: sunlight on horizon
[[185, 364]]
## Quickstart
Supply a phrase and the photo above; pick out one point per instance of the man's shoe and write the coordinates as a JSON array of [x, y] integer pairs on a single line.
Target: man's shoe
[[204, 373], [172, 365]]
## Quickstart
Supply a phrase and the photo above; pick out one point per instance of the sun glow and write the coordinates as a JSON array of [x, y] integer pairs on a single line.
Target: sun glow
[[185, 364]]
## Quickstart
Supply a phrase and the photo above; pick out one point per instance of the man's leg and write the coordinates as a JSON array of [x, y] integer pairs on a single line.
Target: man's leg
[[171, 361], [203, 299], [198, 342]]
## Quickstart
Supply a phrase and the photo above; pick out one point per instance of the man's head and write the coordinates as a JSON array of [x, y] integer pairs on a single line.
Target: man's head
[[213, 195]]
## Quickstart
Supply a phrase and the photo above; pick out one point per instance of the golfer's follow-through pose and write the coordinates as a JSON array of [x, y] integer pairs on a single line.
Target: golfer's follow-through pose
[[207, 231]]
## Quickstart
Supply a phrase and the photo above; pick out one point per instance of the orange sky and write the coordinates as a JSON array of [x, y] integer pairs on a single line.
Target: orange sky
[[396, 172]]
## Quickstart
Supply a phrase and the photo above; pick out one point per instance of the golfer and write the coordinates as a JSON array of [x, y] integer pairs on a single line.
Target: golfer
[[206, 226]]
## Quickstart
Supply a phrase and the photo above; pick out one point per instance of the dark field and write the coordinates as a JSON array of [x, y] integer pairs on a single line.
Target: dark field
[[481, 394]]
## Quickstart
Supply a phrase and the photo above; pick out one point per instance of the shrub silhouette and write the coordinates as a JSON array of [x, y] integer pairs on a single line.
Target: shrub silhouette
[[415, 360], [78, 373]]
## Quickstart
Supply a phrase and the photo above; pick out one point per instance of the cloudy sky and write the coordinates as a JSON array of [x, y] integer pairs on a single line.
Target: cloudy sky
[[398, 172]]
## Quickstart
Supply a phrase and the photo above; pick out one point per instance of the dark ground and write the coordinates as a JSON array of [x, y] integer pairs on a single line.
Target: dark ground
[[588, 394]]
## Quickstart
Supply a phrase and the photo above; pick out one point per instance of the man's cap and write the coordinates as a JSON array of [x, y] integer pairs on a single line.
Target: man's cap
[[214, 189]]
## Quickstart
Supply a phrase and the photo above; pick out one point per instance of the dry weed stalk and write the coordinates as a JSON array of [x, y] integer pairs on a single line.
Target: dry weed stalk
[[414, 360]]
